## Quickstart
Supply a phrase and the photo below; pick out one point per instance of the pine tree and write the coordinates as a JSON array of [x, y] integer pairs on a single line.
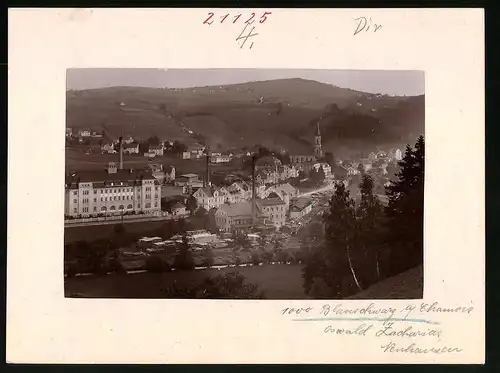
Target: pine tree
[[183, 259], [405, 211], [332, 262]]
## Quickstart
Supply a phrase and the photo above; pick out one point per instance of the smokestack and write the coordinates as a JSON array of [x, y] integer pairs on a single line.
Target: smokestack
[[207, 169], [120, 140], [253, 189]]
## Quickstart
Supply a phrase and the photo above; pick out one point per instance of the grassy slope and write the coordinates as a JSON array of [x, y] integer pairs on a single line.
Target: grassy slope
[[407, 285], [232, 114]]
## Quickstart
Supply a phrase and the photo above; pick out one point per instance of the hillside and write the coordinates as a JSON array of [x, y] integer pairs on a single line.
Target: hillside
[[277, 113], [406, 285]]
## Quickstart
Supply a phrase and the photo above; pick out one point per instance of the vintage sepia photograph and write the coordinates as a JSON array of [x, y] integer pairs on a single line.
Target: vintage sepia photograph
[[244, 184]]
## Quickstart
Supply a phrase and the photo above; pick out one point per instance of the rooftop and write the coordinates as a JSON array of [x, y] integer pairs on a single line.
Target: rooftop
[[270, 202], [104, 178], [238, 209], [300, 203]]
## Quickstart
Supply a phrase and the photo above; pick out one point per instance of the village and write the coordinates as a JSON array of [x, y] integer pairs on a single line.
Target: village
[[254, 211]]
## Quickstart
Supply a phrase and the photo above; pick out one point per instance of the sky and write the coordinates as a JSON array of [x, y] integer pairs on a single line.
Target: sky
[[391, 82]]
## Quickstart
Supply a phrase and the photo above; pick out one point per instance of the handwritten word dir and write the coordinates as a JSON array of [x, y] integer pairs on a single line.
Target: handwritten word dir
[[366, 25]]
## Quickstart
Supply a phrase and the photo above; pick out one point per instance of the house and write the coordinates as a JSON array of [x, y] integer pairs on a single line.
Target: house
[[173, 191], [156, 149], [220, 159], [169, 174], [196, 151], [111, 192], [131, 148], [157, 171], [351, 170], [204, 197], [186, 155], [274, 208], [285, 191], [239, 191], [85, 132], [178, 209], [191, 180], [128, 140], [300, 207], [69, 132], [395, 154], [294, 159], [372, 156], [108, 147], [367, 164], [236, 216], [209, 197], [327, 169]]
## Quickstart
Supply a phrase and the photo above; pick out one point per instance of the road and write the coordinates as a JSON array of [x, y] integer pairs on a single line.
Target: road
[[324, 189], [116, 221]]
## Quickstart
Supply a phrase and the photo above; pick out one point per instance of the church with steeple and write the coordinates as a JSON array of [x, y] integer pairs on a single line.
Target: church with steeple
[[306, 161], [318, 153]]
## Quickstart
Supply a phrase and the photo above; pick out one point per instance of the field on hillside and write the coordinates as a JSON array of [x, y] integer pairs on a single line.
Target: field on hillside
[[277, 281], [77, 160], [278, 113]]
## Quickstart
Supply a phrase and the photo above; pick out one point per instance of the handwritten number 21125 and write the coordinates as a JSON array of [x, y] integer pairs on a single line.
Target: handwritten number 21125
[[249, 21]]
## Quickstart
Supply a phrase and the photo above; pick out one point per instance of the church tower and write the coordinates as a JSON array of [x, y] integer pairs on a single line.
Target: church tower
[[318, 153]]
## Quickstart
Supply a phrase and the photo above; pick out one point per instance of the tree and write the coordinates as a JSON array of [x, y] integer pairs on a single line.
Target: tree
[[240, 241], [231, 285], [320, 175], [332, 262], [156, 264], [191, 204], [404, 213], [208, 258], [143, 147], [154, 140], [329, 159], [178, 147], [183, 259], [370, 215], [361, 169]]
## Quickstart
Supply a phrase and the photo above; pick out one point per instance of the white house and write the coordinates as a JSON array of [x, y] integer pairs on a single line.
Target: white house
[[131, 148], [186, 155], [327, 169], [108, 147], [220, 159], [156, 149], [274, 208]]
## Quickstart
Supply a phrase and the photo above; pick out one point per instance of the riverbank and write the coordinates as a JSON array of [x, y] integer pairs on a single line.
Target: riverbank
[[278, 281]]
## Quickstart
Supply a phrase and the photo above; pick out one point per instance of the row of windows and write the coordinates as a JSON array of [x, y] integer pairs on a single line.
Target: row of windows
[[113, 208], [111, 191], [114, 198]]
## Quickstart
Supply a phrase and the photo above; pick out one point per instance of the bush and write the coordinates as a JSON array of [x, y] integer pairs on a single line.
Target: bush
[[156, 264], [256, 258]]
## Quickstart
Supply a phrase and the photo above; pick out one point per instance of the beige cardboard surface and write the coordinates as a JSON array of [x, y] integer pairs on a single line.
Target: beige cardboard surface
[[43, 326]]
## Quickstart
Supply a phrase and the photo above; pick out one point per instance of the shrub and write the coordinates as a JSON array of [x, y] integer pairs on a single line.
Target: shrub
[[156, 264]]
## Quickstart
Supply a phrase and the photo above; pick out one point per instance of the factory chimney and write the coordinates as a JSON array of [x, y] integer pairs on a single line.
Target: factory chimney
[[120, 141], [207, 169], [253, 190]]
